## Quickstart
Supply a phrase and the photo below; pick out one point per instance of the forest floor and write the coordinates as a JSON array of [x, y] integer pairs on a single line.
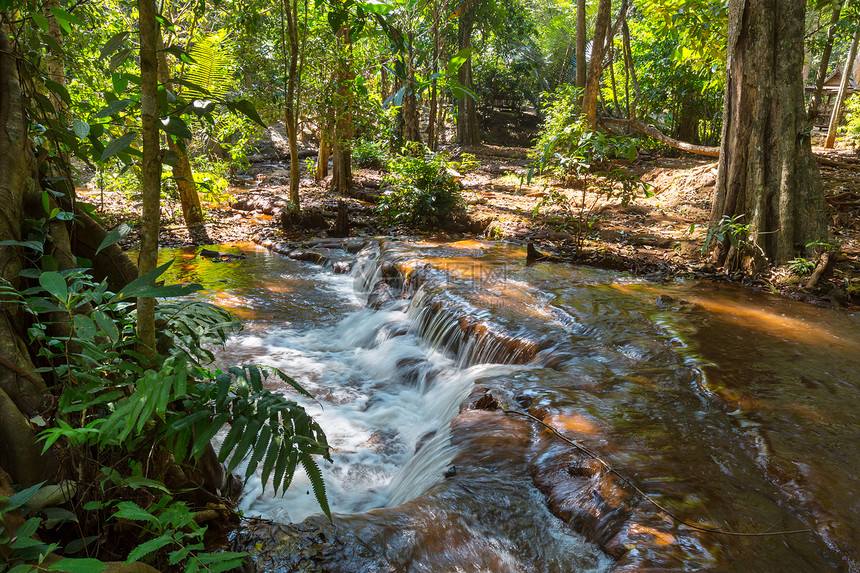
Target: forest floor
[[660, 236]]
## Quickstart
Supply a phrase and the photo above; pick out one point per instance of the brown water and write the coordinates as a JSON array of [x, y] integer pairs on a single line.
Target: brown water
[[735, 410]]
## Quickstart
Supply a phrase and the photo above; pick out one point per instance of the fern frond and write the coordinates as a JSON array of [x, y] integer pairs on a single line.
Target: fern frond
[[314, 473], [213, 68]]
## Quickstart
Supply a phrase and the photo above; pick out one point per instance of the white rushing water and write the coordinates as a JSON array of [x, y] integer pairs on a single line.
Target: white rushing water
[[381, 394]]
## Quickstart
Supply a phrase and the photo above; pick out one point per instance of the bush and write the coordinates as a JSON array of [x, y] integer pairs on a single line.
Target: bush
[[371, 154], [424, 189]]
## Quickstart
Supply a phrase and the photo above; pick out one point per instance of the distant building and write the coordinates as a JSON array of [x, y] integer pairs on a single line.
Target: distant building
[[829, 91]]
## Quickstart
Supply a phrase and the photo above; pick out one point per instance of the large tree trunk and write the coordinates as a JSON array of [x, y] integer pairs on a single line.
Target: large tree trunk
[[341, 177], [150, 166], [840, 97], [21, 387], [767, 177], [467, 110], [595, 68]]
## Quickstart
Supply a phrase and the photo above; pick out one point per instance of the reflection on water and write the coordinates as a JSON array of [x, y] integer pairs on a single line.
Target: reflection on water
[[735, 409]]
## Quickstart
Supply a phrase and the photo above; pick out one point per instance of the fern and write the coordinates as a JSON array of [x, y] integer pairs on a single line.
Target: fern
[[211, 75]]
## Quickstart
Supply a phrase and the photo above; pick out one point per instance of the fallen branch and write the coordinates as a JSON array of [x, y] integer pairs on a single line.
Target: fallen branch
[[823, 263], [663, 138], [704, 149]]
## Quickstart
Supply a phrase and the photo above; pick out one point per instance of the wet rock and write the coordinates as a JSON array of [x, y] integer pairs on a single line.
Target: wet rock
[[666, 302], [342, 267], [309, 257], [307, 219], [450, 472], [423, 440], [219, 257], [355, 247], [381, 295]]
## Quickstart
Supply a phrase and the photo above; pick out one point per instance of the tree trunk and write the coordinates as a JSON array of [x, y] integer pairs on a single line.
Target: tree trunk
[[467, 111], [341, 150], [815, 102], [628, 58], [840, 97], [595, 68], [767, 177], [432, 140], [291, 119], [581, 43], [410, 101], [21, 387], [189, 200], [150, 166]]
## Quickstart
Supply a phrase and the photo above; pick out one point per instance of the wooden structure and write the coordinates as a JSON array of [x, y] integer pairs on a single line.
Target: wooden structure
[[829, 91]]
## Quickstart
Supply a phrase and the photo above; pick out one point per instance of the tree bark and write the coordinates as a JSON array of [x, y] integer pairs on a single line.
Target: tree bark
[[291, 118], [628, 58], [581, 43], [341, 151], [595, 68], [840, 97], [150, 166], [815, 101], [767, 177], [467, 110], [189, 200]]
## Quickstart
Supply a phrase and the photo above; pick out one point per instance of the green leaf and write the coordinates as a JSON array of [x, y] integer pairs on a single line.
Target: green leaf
[[119, 59], [117, 145], [85, 327], [64, 17], [114, 107], [57, 515], [55, 284], [78, 544], [78, 566], [41, 21], [107, 325], [246, 108], [179, 54], [176, 126], [168, 291], [35, 245], [244, 445], [148, 547], [82, 128], [60, 90], [29, 527], [313, 471], [113, 44], [132, 511], [458, 60], [115, 235]]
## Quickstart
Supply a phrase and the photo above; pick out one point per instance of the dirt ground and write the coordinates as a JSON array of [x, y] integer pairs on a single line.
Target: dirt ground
[[660, 236]]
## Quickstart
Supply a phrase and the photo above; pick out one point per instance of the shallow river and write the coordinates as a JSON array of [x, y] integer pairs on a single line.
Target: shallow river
[[733, 410]]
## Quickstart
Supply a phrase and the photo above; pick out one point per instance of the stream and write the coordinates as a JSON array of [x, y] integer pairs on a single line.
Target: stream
[[733, 410]]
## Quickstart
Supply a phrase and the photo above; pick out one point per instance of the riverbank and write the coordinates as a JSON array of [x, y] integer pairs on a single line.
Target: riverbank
[[660, 236]]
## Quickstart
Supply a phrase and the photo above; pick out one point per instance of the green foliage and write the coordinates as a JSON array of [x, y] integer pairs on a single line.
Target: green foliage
[[423, 191], [582, 159], [211, 73], [370, 154], [116, 407], [729, 230], [21, 548], [801, 266]]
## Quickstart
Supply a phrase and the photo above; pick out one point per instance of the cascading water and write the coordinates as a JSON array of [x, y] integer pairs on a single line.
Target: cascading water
[[734, 409]]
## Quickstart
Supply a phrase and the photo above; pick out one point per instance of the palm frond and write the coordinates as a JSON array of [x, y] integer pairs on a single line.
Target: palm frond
[[213, 69]]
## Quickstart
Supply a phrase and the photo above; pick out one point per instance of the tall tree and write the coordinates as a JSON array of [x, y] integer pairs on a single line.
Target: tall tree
[[150, 164], [767, 178], [292, 70], [843, 88], [595, 67], [467, 110], [343, 127]]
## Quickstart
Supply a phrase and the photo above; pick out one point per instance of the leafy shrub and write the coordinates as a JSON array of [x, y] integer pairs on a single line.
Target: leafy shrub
[[126, 421], [423, 190], [370, 154], [582, 159]]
